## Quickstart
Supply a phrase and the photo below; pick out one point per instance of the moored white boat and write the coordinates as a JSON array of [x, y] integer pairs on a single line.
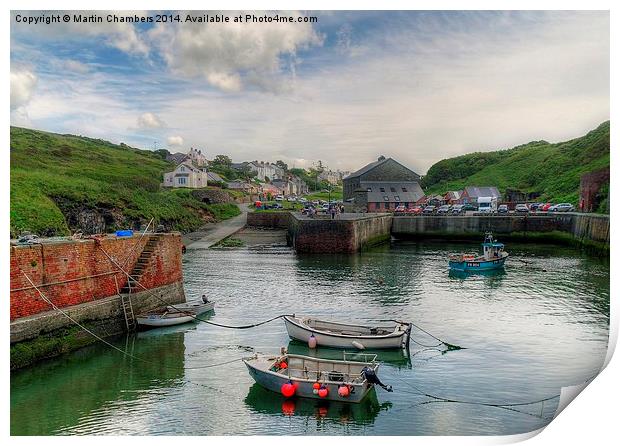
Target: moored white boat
[[175, 314], [348, 336], [303, 376]]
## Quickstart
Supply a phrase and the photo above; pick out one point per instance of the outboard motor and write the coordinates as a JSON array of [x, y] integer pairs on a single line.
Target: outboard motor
[[372, 377]]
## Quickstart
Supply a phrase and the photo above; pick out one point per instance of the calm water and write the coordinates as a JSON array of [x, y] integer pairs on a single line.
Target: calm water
[[528, 331]]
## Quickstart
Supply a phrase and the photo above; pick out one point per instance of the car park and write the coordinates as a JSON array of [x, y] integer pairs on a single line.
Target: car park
[[400, 209], [430, 209], [415, 210], [544, 207], [502, 209], [444, 209], [522, 208], [535, 206]]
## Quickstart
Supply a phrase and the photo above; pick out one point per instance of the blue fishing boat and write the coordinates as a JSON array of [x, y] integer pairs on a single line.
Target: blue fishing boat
[[493, 257]]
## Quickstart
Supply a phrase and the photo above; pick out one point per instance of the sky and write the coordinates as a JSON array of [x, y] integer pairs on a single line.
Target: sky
[[418, 86]]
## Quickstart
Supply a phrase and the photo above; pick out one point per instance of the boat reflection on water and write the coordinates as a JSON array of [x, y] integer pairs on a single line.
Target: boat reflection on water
[[398, 358], [493, 275], [365, 412]]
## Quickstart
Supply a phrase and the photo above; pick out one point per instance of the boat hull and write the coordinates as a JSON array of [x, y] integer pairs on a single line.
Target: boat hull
[[154, 321], [303, 388], [301, 332], [478, 265]]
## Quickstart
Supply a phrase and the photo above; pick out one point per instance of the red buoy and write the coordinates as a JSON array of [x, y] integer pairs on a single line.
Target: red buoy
[[344, 391], [323, 392], [283, 365], [288, 389]]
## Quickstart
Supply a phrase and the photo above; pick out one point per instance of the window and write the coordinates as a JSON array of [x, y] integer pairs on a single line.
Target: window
[[392, 189], [396, 198], [386, 198], [182, 180], [404, 189], [182, 169], [382, 189]]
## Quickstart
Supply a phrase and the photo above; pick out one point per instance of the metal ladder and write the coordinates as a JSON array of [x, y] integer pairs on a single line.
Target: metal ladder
[[130, 318]]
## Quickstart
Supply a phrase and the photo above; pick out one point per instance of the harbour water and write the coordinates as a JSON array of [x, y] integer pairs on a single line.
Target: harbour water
[[527, 331]]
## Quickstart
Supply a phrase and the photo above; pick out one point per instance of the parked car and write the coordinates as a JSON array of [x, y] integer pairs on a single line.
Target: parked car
[[457, 209], [415, 210], [545, 207], [502, 209], [535, 206], [522, 208], [444, 209], [279, 197], [562, 207], [400, 209], [430, 209], [469, 207], [302, 200]]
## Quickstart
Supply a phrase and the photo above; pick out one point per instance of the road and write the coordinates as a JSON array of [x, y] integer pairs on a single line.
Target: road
[[212, 233]]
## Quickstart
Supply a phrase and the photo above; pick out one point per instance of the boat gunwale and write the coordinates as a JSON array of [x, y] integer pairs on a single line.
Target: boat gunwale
[[395, 334]]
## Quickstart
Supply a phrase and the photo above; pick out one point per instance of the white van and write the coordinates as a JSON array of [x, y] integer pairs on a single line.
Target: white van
[[487, 205]]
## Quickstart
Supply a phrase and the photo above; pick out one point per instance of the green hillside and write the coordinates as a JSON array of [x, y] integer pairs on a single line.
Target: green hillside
[[553, 170], [56, 179]]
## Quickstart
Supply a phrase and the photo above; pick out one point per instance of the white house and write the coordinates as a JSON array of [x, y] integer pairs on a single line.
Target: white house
[[186, 175], [266, 170]]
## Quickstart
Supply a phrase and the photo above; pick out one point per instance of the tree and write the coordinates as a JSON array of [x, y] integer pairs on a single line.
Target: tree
[[161, 153], [245, 171], [222, 160]]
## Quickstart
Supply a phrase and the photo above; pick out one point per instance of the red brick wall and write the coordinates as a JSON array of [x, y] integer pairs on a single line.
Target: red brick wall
[[61, 261]]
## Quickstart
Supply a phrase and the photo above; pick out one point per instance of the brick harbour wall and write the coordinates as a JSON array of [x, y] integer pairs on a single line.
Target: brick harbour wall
[[72, 272], [280, 220]]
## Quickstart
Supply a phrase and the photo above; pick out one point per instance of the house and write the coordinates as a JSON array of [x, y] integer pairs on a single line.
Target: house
[[383, 196], [382, 185], [330, 176], [214, 178], [194, 156], [472, 193], [264, 170], [186, 175], [244, 187], [384, 169], [453, 197]]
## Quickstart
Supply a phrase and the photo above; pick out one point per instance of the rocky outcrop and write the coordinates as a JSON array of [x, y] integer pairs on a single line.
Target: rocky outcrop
[[212, 196]]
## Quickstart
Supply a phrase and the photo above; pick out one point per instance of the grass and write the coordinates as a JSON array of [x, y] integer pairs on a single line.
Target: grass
[[229, 242], [55, 175], [336, 194], [553, 170]]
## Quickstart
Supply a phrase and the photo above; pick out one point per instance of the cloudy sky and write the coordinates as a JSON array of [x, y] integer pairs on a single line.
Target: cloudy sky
[[417, 86]]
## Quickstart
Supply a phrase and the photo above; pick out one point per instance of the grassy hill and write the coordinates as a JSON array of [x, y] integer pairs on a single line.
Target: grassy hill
[[57, 179], [554, 170]]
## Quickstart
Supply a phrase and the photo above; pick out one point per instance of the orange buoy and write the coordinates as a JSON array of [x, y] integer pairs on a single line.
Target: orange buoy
[[315, 388], [312, 341], [323, 391], [344, 391], [288, 389]]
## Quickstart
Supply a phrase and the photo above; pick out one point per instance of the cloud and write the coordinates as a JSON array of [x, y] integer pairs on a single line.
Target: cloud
[[23, 83], [74, 66], [230, 56], [175, 141], [150, 121], [123, 36]]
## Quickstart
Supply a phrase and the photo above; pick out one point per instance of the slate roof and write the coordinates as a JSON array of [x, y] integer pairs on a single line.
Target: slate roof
[[474, 191], [212, 176], [412, 194], [367, 167], [177, 158]]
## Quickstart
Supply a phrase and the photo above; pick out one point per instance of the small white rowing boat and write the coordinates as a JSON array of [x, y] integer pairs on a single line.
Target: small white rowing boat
[[175, 314], [303, 376], [338, 335]]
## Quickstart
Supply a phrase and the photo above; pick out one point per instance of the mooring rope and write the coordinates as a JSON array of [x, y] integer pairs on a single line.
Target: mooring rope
[[193, 316], [124, 352], [441, 341]]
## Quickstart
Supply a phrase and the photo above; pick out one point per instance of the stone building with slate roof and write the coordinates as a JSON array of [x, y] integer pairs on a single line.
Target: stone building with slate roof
[[472, 193], [381, 186]]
